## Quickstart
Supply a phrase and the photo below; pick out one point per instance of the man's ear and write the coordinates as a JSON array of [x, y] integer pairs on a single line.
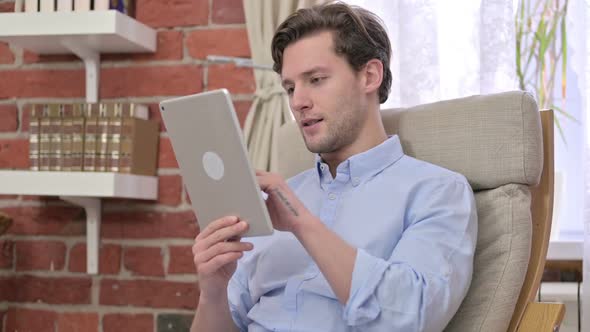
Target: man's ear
[[373, 75]]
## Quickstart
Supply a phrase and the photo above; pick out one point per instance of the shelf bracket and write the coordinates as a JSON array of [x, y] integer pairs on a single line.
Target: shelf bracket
[[91, 60], [92, 206]]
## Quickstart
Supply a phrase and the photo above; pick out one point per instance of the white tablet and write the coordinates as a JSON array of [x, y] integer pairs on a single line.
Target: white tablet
[[208, 144]]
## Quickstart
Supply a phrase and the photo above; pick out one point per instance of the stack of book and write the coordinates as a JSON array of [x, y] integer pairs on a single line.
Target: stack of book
[[124, 6], [105, 137]]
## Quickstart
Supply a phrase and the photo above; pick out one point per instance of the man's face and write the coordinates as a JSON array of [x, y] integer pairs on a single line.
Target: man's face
[[325, 93]]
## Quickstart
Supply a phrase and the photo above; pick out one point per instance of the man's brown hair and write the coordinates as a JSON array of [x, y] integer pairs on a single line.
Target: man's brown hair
[[358, 35]]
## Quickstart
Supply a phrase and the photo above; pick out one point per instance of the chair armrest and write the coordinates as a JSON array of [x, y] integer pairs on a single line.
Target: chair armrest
[[541, 317]]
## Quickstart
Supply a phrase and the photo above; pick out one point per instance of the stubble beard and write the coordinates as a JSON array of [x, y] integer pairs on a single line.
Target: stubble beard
[[341, 131]]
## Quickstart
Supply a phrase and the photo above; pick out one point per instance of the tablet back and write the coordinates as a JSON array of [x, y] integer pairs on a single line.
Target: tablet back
[[208, 144]]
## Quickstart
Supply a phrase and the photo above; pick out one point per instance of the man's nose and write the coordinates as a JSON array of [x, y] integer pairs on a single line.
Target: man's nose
[[300, 100]]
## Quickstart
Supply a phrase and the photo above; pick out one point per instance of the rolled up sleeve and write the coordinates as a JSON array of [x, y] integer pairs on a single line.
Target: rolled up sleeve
[[362, 306], [239, 300], [422, 284]]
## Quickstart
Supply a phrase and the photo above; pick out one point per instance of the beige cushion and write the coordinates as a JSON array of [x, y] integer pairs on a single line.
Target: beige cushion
[[501, 258], [492, 139]]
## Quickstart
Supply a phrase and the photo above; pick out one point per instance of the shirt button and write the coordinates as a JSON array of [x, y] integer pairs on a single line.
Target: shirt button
[[332, 196], [356, 181], [323, 167]]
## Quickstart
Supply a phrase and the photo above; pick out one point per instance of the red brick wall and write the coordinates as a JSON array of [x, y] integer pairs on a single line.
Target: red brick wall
[[146, 280]]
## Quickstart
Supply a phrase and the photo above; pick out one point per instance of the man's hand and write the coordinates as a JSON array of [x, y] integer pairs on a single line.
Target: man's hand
[[285, 209], [215, 255], [334, 256]]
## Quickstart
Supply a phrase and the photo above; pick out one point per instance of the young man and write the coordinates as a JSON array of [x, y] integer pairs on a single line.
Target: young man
[[368, 240]]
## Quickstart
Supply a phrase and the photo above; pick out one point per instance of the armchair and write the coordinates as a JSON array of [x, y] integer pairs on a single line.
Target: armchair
[[503, 145]]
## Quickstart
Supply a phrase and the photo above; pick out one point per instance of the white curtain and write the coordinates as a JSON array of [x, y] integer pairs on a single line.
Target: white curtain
[[270, 108], [447, 49], [584, 7]]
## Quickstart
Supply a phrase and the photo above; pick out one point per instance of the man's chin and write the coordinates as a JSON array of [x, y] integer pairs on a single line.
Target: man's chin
[[317, 147], [313, 147]]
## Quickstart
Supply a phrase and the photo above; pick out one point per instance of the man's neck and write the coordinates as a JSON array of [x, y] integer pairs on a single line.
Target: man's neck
[[368, 139]]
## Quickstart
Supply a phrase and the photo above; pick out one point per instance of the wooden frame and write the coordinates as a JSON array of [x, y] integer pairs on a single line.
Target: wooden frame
[[531, 316]]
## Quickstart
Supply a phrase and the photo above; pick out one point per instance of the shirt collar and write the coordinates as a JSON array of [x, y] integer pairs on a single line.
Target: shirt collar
[[364, 165]]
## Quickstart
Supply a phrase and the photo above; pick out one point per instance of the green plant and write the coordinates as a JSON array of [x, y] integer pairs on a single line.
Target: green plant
[[541, 48]]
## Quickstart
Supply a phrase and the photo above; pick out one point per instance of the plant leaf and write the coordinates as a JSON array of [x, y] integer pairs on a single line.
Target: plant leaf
[[558, 125], [565, 114]]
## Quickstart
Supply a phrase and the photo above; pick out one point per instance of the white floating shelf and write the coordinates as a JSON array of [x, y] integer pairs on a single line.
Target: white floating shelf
[[83, 184], [86, 34], [81, 188], [106, 31]]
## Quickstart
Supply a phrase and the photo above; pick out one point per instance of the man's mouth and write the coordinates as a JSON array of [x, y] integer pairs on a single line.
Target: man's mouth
[[310, 122]]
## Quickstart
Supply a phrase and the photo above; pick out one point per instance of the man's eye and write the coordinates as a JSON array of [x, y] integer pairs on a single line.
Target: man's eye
[[289, 91], [316, 80]]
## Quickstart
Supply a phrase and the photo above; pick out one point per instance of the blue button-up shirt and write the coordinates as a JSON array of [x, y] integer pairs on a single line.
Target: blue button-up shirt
[[414, 225]]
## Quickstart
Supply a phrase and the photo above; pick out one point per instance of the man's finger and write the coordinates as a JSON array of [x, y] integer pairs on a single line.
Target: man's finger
[[224, 247], [224, 234], [264, 181], [217, 225], [218, 262]]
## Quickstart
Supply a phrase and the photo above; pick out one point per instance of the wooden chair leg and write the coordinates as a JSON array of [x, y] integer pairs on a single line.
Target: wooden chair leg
[[542, 317]]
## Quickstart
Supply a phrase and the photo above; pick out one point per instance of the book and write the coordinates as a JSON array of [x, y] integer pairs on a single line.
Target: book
[[82, 5], [46, 5], [126, 7], [101, 5], [66, 137], [134, 110], [65, 5], [114, 139], [44, 138], [55, 121], [106, 112], [115, 128], [77, 133], [18, 6], [31, 6], [138, 146], [35, 116], [90, 137]]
